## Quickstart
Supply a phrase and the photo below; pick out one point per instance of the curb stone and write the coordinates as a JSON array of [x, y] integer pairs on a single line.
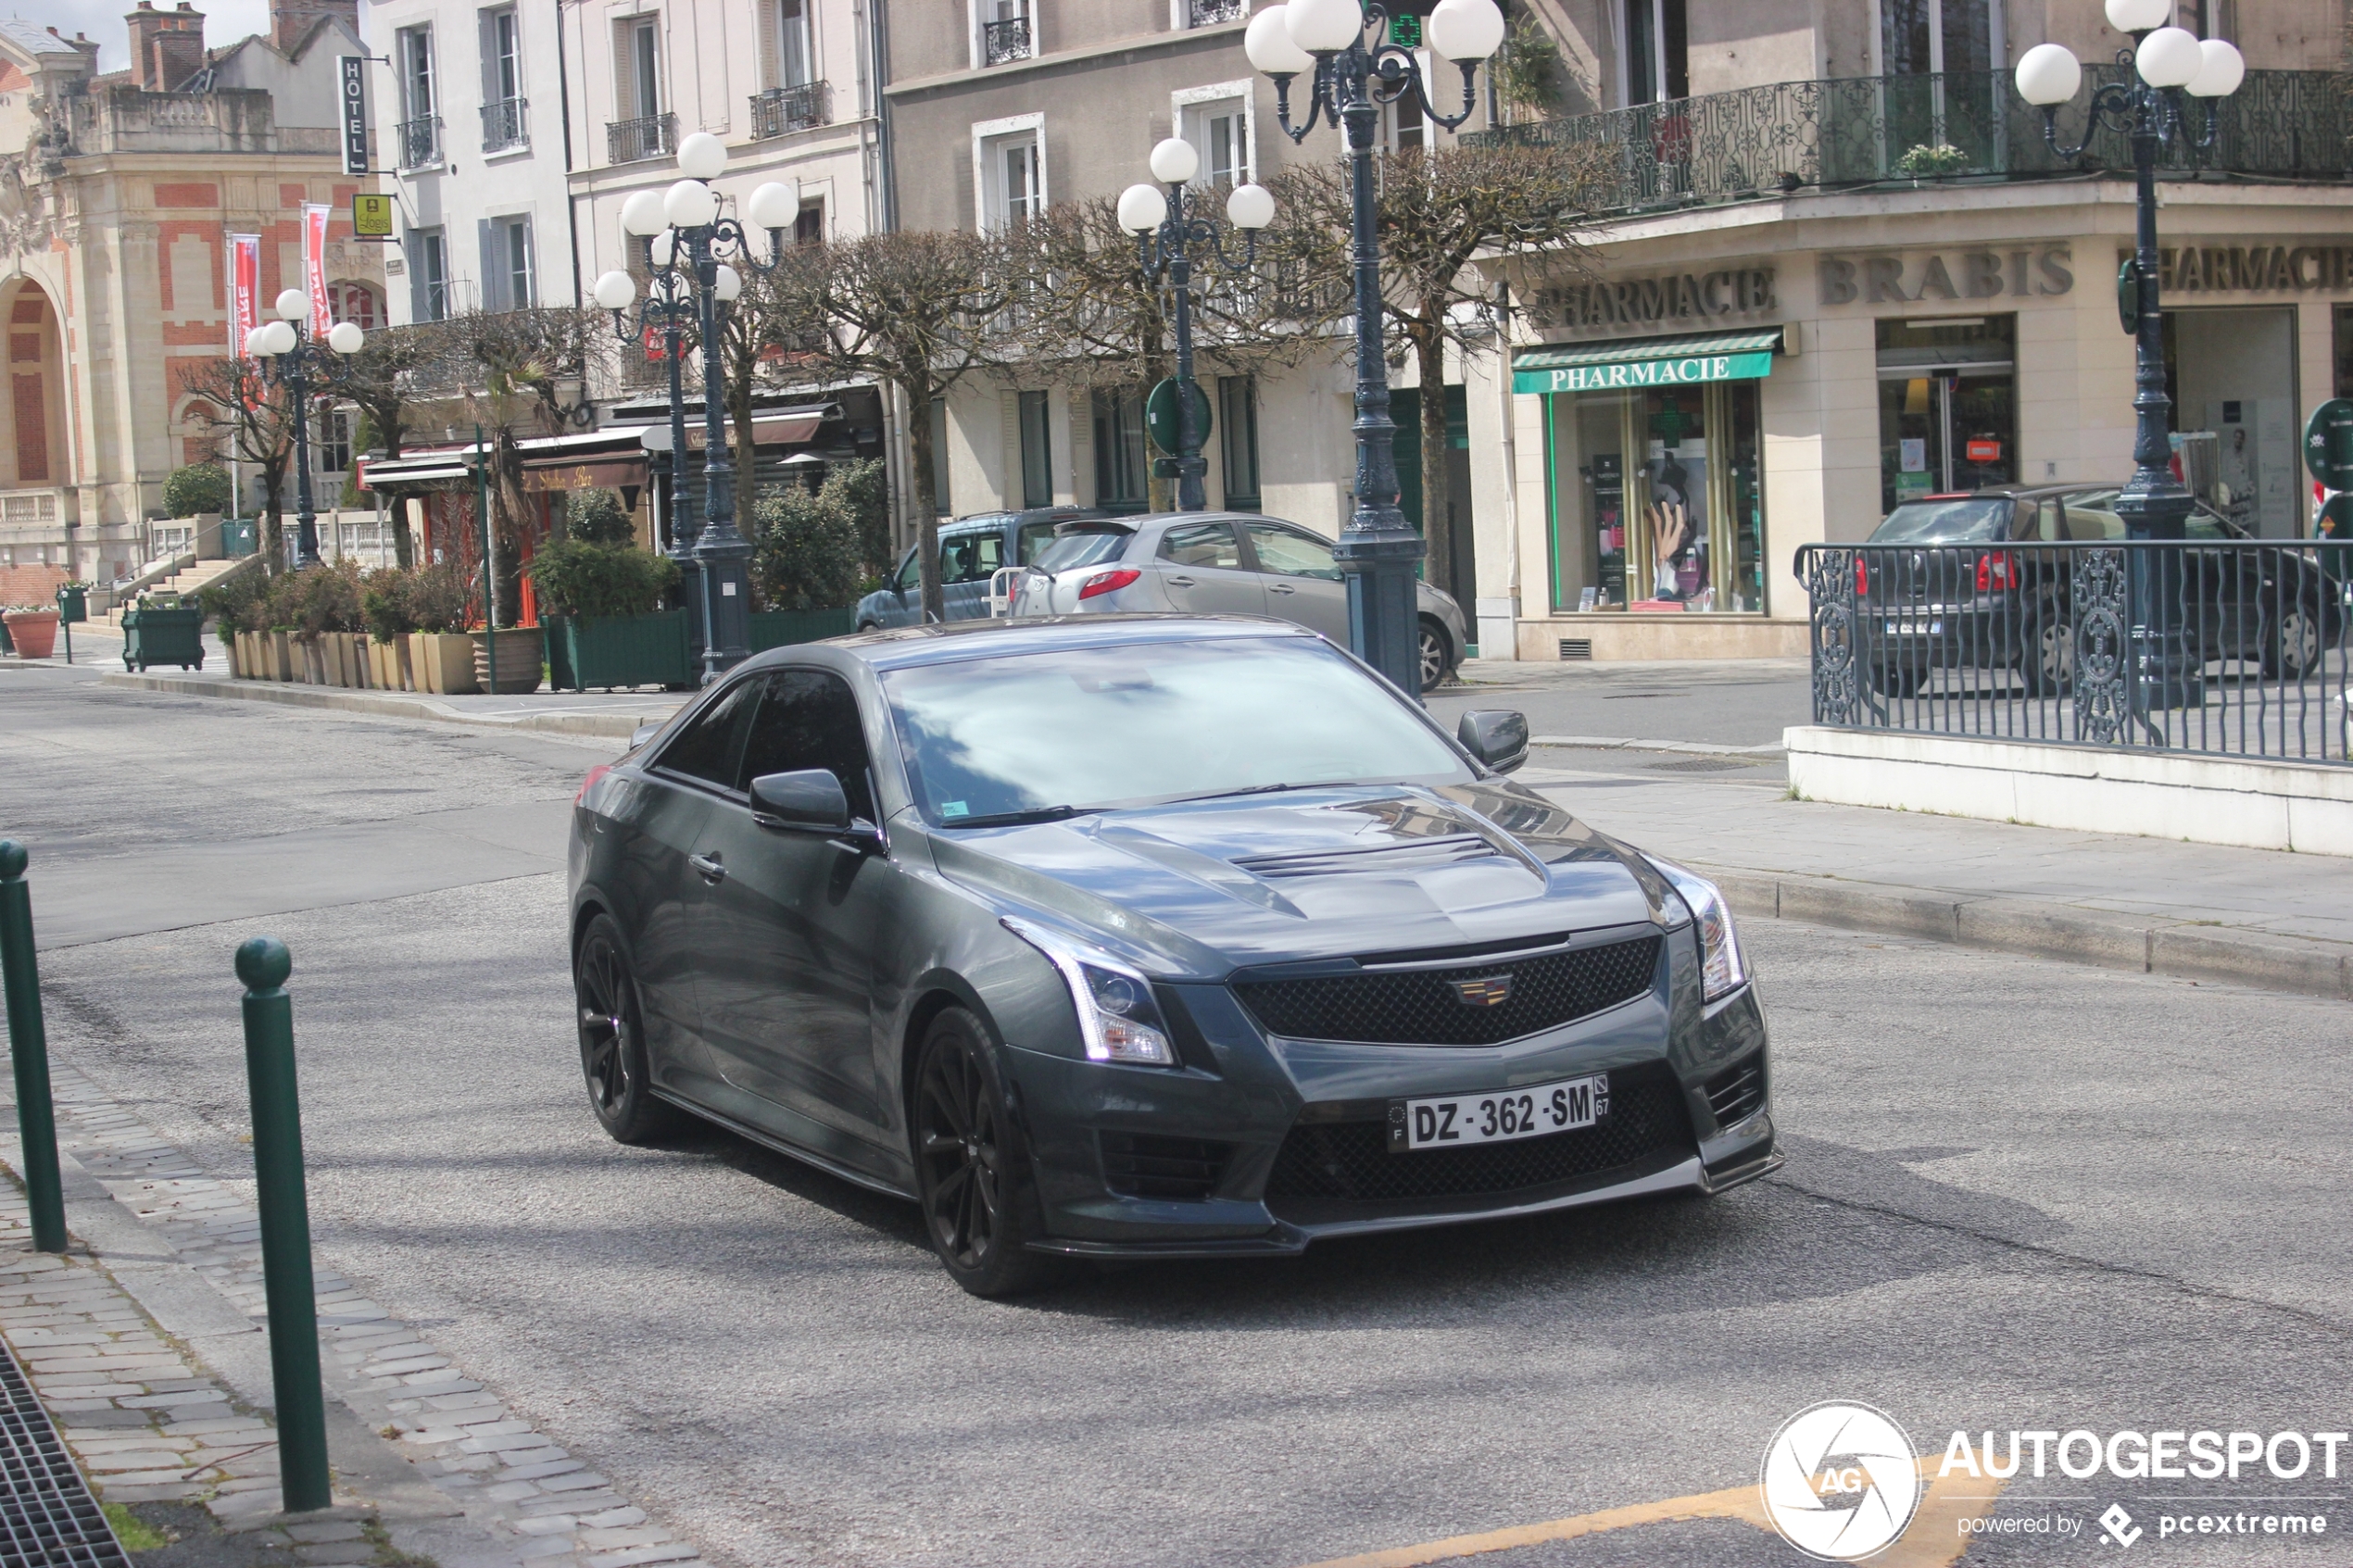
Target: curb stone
[[2182, 949], [600, 722]]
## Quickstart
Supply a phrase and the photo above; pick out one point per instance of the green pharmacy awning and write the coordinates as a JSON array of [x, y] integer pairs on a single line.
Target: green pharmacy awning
[[1627, 363]]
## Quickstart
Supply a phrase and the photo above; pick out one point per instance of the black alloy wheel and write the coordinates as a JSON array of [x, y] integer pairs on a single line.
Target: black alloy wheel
[[970, 1167], [613, 1039], [2296, 644], [2047, 660], [1436, 653]]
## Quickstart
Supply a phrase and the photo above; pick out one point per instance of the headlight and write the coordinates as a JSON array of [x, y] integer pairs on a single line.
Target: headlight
[[1722, 970], [1117, 1018]]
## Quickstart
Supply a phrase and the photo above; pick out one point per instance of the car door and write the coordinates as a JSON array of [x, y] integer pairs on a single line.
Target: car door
[[907, 590], [786, 995], [666, 903], [1201, 570], [1304, 583], [968, 559]]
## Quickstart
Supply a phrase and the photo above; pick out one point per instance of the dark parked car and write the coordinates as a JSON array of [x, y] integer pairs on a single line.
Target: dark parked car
[[1218, 563], [1953, 589], [972, 549], [1147, 936]]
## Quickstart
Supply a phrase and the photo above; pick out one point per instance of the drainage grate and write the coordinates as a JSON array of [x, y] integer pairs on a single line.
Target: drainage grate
[[1576, 648], [47, 1517]]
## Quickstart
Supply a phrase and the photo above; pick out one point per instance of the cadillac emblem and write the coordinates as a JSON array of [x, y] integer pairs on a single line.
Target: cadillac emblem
[[1491, 991]]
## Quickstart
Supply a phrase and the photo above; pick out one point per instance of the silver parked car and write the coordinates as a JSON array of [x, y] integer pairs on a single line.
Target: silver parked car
[[1217, 563]]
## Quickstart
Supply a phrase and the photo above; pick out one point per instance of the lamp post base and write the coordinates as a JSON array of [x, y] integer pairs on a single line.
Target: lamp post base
[[1383, 624], [2167, 672]]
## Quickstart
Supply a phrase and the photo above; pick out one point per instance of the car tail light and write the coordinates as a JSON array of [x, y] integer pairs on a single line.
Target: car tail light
[[1998, 570], [1108, 581], [598, 772], [1862, 577]]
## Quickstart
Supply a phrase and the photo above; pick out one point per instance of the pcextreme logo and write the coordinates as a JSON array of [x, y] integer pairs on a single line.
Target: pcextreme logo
[[1840, 1481]]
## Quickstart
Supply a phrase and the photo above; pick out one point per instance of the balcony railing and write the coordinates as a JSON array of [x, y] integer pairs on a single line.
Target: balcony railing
[[1007, 40], [1209, 13], [781, 109], [504, 125], [628, 140], [1955, 125], [419, 141]]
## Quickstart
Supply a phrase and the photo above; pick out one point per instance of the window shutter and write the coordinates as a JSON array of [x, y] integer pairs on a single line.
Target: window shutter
[[487, 25], [492, 278], [770, 54], [1082, 449], [413, 254], [1009, 414], [624, 73]]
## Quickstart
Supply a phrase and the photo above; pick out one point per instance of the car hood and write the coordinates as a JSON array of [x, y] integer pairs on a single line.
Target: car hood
[[1204, 887]]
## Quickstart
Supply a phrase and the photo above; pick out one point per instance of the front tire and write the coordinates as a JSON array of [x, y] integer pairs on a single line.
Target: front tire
[[2295, 645], [1437, 653], [2047, 661], [613, 1039], [971, 1168]]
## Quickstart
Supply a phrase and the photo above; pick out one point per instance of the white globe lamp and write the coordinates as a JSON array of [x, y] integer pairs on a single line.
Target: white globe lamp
[[345, 337], [702, 156], [1142, 208], [2049, 75], [642, 214], [1174, 161], [689, 204], [2223, 69], [776, 205], [1249, 206], [1466, 30], [293, 305], [1267, 42], [1324, 26], [2138, 16], [728, 284], [614, 291], [2168, 57], [663, 246], [278, 337]]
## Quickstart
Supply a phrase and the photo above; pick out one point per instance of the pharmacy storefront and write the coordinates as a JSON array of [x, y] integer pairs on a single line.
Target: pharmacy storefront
[[1680, 427]]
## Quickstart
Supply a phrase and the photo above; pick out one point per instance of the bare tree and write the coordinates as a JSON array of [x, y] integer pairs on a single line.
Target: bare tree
[[384, 381], [918, 310], [251, 418], [1438, 211]]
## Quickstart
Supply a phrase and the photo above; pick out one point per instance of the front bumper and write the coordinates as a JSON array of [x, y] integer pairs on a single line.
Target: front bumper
[[1282, 1127]]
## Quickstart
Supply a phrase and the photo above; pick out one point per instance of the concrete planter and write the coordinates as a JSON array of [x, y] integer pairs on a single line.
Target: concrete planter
[[521, 651], [34, 632], [277, 655], [447, 660]]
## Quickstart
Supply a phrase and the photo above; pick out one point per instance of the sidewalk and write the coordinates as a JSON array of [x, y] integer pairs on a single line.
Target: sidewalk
[[2250, 916]]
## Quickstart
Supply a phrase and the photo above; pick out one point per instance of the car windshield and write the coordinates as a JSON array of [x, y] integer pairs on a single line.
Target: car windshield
[[1962, 520], [1083, 546], [1100, 728]]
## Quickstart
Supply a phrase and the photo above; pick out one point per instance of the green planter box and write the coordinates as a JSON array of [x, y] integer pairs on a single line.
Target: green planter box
[[777, 628], [632, 650], [151, 635], [238, 536]]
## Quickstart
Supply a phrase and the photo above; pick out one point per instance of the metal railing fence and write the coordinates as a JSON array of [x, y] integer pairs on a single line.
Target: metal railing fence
[[632, 141], [1007, 40], [2234, 647], [419, 141], [505, 124], [1850, 131], [781, 109]]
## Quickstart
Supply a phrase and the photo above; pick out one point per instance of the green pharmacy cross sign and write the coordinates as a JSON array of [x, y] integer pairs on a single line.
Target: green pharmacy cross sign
[[2328, 444]]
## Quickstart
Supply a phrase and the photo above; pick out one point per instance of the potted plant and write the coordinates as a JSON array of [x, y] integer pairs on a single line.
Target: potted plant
[[600, 599], [33, 629], [808, 556], [383, 603], [1925, 162], [441, 655]]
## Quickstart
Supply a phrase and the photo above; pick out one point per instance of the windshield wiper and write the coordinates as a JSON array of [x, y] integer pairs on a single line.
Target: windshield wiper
[[1246, 789], [1016, 819]]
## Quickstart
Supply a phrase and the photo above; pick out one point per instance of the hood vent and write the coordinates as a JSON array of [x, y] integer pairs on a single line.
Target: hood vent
[[1383, 860]]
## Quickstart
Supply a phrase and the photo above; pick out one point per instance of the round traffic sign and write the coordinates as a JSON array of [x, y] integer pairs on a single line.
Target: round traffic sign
[[1160, 415], [2328, 444]]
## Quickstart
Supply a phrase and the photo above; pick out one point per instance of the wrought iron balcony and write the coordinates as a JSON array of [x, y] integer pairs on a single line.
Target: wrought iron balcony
[[1209, 13], [504, 125], [1955, 125], [781, 109], [419, 141], [1007, 40], [631, 140]]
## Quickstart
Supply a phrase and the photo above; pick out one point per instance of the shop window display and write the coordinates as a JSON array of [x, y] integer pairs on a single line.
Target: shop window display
[[1948, 406], [1657, 505]]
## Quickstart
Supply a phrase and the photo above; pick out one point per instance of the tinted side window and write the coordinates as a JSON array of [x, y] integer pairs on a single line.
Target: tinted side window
[[810, 720], [911, 573], [711, 748], [971, 558], [1202, 544], [1291, 553]]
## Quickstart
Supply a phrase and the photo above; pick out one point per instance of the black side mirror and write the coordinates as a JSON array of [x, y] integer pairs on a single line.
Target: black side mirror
[[1497, 736], [808, 798], [643, 733]]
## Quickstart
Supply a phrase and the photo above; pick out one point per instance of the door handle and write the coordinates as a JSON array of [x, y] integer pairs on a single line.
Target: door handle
[[1280, 588], [713, 872], [1178, 581]]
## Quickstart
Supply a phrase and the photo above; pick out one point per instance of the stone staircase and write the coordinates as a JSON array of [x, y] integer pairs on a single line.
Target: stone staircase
[[192, 579]]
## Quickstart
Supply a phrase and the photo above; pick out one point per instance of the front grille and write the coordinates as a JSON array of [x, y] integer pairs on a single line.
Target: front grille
[[47, 1516], [1349, 1162], [1424, 1008], [1148, 1166], [1737, 1091]]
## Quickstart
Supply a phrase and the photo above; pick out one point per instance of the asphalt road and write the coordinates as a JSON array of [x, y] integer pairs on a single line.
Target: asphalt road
[[2020, 1195]]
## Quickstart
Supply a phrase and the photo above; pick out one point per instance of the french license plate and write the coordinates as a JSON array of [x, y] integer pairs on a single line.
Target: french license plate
[[1916, 628], [1530, 1112]]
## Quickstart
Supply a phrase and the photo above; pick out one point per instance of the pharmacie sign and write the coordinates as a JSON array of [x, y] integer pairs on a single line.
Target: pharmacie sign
[[1687, 370]]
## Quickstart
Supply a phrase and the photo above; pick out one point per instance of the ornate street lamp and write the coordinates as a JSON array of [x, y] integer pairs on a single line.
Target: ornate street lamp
[[2167, 63], [288, 353], [688, 213], [669, 305], [1378, 549], [1167, 232]]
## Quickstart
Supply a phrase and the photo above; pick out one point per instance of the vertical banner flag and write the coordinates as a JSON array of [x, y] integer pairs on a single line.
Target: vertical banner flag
[[354, 84], [245, 290], [314, 264]]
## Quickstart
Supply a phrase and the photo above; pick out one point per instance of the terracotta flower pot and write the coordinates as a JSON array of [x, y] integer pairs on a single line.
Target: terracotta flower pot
[[34, 632]]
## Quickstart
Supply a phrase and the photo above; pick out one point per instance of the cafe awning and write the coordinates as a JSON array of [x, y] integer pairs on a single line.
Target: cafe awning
[[782, 429], [1627, 363], [583, 473]]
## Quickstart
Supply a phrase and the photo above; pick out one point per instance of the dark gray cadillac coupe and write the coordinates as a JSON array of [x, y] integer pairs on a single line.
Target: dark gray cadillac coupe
[[1147, 936]]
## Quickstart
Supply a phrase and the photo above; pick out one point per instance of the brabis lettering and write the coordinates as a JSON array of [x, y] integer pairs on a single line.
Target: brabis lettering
[[1979, 274]]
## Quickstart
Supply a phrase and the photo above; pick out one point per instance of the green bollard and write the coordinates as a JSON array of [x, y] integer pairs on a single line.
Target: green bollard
[[263, 964], [29, 1048]]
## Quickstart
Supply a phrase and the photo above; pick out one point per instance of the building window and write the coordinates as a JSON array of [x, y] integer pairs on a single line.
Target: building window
[[1005, 32], [809, 229], [1948, 406], [420, 132], [1658, 502], [939, 456], [1657, 63], [793, 67], [2343, 315], [356, 303], [334, 442], [1237, 429], [1921, 37], [506, 264], [1012, 173], [1119, 451], [502, 103], [428, 275], [1219, 131], [1037, 451]]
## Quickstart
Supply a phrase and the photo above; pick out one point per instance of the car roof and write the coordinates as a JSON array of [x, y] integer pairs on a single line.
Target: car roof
[[2013, 493], [900, 647], [1029, 514]]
